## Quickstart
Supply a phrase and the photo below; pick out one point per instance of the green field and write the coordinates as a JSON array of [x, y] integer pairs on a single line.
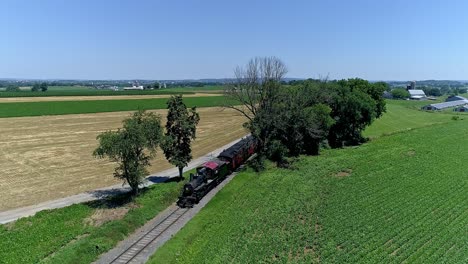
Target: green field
[[405, 115], [400, 198], [88, 91], [69, 235], [18, 109]]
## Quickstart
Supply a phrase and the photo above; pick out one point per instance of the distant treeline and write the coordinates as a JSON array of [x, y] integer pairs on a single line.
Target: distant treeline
[[103, 83]]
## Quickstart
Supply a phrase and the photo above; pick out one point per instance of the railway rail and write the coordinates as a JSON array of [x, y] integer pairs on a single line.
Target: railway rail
[[131, 254], [139, 247]]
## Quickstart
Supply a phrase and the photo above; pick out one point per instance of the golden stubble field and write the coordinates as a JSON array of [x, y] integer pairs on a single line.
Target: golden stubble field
[[50, 157]]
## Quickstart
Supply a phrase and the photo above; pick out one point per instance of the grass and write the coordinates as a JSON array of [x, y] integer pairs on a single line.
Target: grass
[[405, 115], [88, 91], [66, 236], [400, 198], [208, 88], [405, 203], [17, 109]]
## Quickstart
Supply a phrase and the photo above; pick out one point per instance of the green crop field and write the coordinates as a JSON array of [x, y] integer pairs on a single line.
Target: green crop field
[[405, 115], [400, 198], [89, 91], [18, 109]]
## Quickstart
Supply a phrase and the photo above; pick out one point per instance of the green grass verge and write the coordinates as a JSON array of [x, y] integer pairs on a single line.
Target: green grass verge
[[404, 115], [400, 198], [64, 235], [18, 109]]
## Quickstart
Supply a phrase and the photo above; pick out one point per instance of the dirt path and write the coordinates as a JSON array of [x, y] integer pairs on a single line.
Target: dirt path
[[47, 158], [93, 98]]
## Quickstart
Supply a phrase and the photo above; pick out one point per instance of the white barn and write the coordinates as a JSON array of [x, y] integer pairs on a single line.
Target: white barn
[[417, 95]]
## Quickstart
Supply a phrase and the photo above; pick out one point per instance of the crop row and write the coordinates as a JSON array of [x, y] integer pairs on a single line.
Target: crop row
[[90, 92], [405, 201], [409, 212], [18, 109]]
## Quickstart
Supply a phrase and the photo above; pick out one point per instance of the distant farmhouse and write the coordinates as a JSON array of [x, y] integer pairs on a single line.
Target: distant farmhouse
[[452, 101], [135, 86], [417, 95]]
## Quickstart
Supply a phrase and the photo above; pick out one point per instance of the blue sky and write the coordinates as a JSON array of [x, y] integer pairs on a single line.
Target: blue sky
[[117, 39]]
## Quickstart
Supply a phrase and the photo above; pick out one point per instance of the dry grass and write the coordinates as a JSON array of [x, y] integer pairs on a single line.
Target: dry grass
[[93, 98], [45, 158]]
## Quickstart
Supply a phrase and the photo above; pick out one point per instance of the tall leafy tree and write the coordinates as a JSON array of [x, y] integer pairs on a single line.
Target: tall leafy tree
[[132, 147], [181, 128], [44, 87], [36, 87], [400, 93], [356, 104]]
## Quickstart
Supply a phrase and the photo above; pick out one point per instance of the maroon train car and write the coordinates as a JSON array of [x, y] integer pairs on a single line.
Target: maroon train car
[[238, 153]]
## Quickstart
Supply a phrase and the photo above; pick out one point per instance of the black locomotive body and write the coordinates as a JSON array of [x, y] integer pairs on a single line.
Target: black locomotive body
[[211, 173]]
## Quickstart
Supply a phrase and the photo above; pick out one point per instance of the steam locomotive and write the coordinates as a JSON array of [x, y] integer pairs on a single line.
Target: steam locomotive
[[211, 173]]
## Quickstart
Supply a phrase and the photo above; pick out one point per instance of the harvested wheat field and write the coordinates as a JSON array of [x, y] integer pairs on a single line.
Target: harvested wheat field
[[49, 157], [94, 98]]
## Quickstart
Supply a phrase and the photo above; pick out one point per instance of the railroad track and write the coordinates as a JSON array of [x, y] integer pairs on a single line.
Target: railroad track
[[131, 254]]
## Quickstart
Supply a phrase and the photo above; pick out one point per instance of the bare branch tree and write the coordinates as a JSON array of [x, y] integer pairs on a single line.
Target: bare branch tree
[[254, 85]]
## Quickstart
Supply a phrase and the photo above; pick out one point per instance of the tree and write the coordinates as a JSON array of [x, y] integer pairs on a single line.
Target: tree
[[132, 147], [181, 128], [253, 93], [462, 90], [356, 104], [13, 88], [36, 87], [400, 93], [44, 87], [432, 91]]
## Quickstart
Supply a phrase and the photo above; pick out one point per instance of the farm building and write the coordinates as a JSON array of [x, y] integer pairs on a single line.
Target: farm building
[[417, 95], [463, 108], [455, 98], [140, 87], [441, 106]]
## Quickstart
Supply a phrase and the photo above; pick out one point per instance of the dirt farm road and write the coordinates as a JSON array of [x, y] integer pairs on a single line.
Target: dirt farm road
[[12, 215]]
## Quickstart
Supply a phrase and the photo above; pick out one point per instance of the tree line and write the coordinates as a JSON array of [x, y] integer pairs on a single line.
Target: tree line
[[290, 120], [287, 120], [35, 88]]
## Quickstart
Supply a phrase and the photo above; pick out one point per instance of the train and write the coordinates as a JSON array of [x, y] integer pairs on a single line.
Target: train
[[211, 173]]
